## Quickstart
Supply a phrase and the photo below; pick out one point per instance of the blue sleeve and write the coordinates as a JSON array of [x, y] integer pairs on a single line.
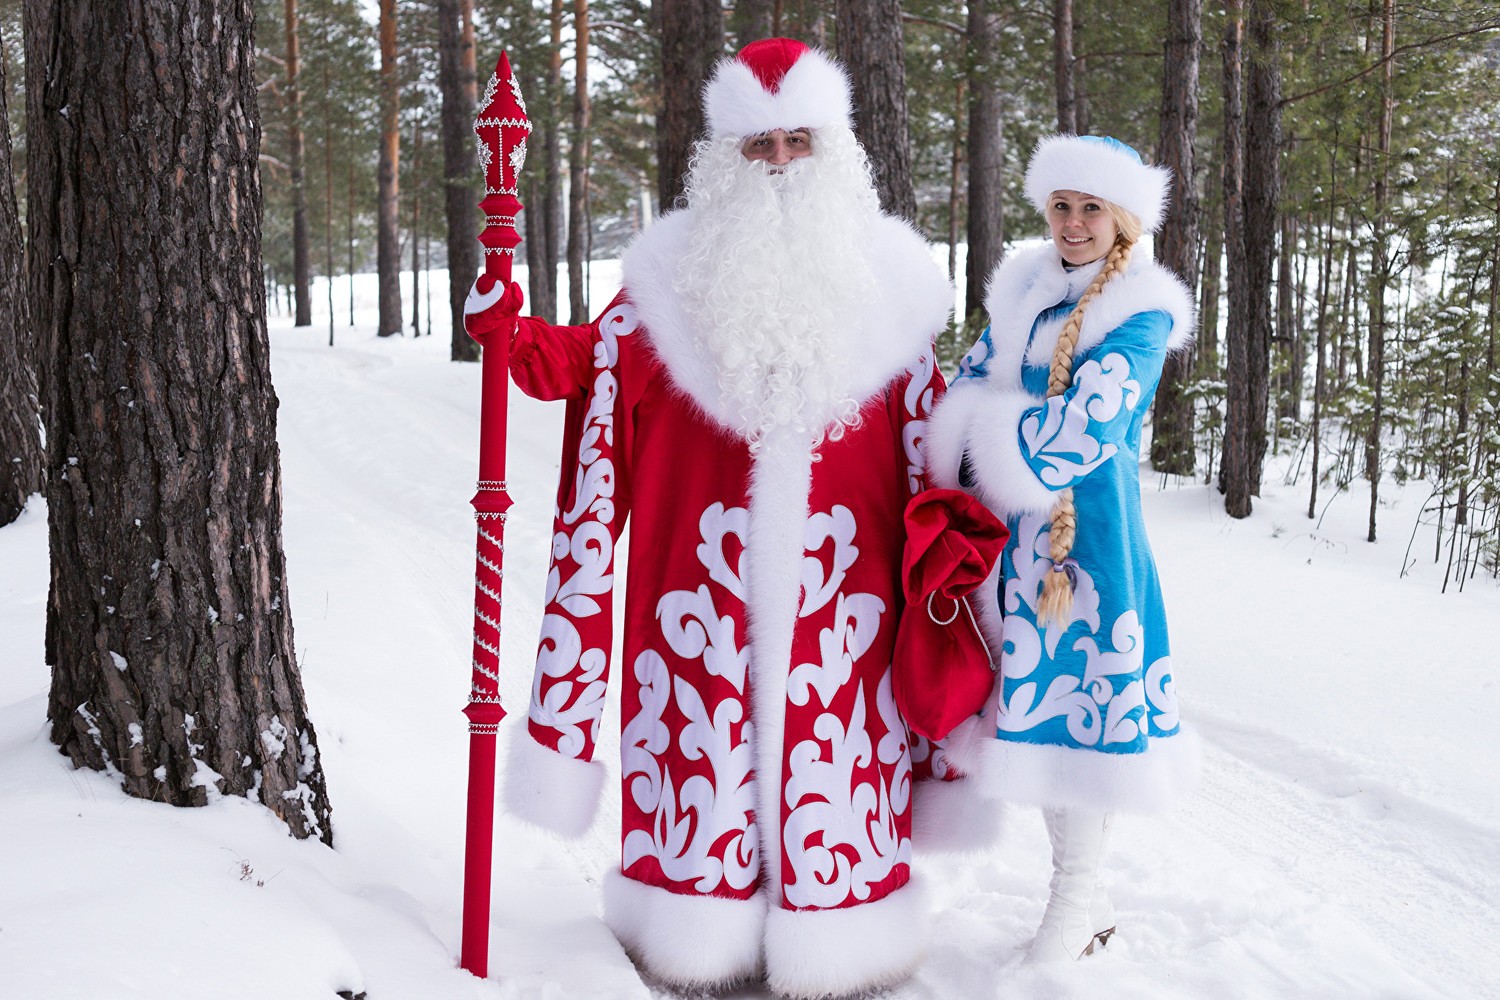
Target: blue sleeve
[[1070, 435]]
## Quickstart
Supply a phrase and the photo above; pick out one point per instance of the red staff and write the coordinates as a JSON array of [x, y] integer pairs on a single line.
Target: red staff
[[502, 128]]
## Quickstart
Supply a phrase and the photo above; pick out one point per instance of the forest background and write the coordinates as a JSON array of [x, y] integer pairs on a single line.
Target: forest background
[[1337, 209], [170, 169]]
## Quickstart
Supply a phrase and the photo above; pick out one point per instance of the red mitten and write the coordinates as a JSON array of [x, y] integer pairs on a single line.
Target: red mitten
[[491, 309]]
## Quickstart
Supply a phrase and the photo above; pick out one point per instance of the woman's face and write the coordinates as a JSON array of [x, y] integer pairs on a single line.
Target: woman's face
[[1082, 226]]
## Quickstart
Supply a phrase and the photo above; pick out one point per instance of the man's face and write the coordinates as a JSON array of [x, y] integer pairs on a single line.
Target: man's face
[[779, 147]]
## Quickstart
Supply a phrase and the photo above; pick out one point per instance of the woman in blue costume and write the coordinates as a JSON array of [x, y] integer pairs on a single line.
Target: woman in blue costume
[[1044, 424]]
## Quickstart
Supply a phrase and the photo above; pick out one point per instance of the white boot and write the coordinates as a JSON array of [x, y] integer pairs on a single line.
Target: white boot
[[1101, 907], [1068, 932]]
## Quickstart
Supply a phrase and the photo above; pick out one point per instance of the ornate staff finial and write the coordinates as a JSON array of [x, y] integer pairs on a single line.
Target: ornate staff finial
[[502, 129]]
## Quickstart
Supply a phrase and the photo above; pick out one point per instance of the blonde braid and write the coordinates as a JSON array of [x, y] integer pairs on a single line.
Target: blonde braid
[[1057, 586]]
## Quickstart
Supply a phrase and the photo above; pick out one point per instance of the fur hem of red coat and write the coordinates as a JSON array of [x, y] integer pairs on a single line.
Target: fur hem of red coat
[[711, 942]]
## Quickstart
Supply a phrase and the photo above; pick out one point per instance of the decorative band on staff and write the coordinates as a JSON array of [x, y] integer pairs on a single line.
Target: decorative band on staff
[[491, 484], [503, 123], [500, 220]]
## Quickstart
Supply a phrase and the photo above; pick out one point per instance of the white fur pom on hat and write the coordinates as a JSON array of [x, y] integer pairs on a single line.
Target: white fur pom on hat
[[776, 83], [1103, 167]]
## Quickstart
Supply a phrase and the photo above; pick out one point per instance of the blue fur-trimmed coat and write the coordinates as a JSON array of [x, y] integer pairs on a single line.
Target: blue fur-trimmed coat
[[1084, 715]]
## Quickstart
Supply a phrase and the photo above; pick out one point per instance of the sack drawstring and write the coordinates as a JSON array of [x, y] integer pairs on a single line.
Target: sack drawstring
[[962, 602]]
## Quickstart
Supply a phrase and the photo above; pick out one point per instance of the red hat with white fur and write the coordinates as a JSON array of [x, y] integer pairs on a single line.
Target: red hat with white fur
[[776, 83]]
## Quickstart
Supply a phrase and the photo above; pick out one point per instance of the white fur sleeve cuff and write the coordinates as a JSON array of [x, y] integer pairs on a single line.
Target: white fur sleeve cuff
[[985, 423], [542, 787]]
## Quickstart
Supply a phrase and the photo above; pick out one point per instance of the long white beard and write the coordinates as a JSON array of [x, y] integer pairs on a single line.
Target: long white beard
[[775, 277]]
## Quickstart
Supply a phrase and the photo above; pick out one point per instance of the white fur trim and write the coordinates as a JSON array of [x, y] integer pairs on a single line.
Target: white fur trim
[[1075, 163], [813, 954], [780, 481], [814, 93], [686, 940], [542, 787], [1034, 279], [909, 307], [1068, 778], [1003, 478], [954, 817]]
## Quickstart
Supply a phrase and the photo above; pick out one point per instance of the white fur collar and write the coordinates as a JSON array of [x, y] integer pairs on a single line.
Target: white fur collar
[[910, 307], [1033, 280]]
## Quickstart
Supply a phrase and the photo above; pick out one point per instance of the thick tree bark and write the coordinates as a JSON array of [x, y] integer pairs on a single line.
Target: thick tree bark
[[1380, 262], [578, 170], [301, 236], [1234, 469], [168, 629], [986, 223], [388, 207], [692, 40], [21, 463], [459, 86], [1262, 194], [1172, 448], [871, 48]]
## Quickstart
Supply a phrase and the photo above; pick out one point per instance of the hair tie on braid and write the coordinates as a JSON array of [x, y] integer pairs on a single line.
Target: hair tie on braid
[[1057, 586]]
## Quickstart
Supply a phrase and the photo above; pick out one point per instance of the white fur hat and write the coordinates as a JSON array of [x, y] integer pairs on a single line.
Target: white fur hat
[[776, 83], [1103, 167]]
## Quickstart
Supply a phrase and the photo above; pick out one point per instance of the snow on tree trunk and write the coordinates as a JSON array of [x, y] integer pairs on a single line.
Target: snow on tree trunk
[[168, 630]]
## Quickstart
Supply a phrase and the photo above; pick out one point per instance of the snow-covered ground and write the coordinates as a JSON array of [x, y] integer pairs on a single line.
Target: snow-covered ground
[[1344, 842]]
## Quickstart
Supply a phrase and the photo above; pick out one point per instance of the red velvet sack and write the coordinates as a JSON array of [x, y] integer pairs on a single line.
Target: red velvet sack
[[942, 669]]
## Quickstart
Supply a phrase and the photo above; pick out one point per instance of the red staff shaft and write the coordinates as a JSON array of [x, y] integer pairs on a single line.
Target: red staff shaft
[[502, 128]]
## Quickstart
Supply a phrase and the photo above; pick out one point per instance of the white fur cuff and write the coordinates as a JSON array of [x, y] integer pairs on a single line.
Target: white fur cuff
[[695, 941], [542, 787], [989, 422], [954, 817], [1068, 778], [812, 954]]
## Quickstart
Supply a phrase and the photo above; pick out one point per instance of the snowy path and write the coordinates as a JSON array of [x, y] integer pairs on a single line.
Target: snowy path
[[1344, 841]]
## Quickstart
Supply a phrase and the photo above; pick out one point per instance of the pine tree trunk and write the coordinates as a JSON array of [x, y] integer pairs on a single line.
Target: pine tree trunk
[[1206, 348], [578, 171], [1289, 341], [1380, 264], [416, 228], [871, 49], [1320, 362], [552, 207], [21, 462], [458, 83], [301, 237], [1262, 201], [388, 207], [1172, 448], [168, 629], [1062, 65], [986, 222], [1234, 469], [692, 39]]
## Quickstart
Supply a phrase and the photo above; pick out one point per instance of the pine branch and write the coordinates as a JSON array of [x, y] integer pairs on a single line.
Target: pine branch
[[1492, 26]]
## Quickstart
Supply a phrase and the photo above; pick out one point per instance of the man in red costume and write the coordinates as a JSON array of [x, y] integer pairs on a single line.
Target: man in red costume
[[753, 400]]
